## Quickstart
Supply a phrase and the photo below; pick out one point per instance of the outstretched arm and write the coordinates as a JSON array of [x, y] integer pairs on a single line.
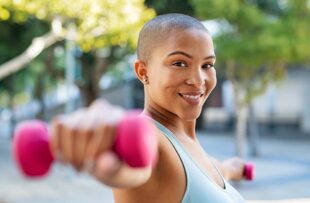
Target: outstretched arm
[[85, 140], [113, 172]]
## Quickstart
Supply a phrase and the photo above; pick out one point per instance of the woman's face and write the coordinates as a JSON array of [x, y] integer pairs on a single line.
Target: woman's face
[[181, 73]]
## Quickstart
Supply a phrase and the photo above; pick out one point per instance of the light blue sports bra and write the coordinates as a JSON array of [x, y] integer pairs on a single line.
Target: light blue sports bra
[[200, 188]]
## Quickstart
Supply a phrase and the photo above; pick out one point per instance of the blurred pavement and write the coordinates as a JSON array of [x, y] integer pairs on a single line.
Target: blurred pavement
[[282, 168], [282, 174]]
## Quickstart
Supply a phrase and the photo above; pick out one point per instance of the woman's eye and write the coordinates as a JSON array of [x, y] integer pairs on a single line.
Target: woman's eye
[[207, 66], [180, 64]]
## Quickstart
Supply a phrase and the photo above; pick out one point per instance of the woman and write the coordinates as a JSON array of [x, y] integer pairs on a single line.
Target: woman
[[176, 66]]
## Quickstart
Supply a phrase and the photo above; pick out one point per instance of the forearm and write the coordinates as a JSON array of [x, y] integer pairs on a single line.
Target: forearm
[[119, 175], [129, 178]]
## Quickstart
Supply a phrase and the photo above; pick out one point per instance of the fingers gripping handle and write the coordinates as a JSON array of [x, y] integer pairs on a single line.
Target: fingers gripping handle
[[135, 143]]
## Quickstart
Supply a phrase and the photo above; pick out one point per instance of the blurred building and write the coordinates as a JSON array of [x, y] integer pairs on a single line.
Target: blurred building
[[285, 103]]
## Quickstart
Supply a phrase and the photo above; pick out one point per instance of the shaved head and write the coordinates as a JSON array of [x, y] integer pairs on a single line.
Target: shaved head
[[158, 29]]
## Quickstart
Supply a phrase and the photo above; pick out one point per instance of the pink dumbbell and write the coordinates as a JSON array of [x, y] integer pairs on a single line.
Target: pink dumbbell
[[135, 143], [248, 171]]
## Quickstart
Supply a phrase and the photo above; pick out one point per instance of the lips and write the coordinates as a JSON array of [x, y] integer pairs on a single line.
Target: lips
[[192, 98]]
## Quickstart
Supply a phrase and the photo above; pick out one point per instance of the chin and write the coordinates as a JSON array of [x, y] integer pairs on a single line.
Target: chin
[[190, 116]]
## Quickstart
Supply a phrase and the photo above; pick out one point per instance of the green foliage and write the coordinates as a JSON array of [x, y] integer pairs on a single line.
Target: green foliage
[[264, 38], [170, 6], [210, 9], [92, 25], [16, 36], [95, 24], [4, 98]]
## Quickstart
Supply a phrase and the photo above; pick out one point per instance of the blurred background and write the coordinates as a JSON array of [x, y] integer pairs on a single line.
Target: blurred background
[[57, 56]]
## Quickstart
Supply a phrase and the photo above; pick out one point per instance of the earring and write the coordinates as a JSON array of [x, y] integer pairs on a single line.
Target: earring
[[146, 80]]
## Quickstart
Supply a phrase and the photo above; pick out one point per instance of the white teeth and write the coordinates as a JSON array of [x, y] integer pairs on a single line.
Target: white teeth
[[191, 96]]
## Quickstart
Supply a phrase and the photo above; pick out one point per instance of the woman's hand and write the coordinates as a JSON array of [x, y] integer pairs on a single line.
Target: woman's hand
[[234, 168], [84, 139]]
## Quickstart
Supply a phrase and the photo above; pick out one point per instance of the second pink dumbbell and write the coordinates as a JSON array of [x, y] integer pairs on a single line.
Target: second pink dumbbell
[[249, 171], [135, 143]]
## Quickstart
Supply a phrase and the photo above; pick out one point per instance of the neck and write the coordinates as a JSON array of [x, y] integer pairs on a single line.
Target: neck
[[171, 121]]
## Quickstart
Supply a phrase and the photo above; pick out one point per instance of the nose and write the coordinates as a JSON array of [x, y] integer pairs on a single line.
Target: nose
[[196, 78]]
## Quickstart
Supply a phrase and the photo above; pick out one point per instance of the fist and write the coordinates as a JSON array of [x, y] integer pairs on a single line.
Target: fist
[[80, 138]]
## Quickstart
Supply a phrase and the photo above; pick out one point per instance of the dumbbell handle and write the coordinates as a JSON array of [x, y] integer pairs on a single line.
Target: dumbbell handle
[[135, 143]]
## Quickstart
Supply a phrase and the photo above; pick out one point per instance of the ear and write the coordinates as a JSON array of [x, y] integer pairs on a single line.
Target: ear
[[141, 71]]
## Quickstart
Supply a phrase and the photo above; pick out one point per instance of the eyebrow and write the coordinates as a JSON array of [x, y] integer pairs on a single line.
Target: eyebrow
[[189, 56]]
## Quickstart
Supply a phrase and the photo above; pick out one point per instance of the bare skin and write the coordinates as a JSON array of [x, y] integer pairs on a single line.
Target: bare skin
[[184, 65], [177, 79]]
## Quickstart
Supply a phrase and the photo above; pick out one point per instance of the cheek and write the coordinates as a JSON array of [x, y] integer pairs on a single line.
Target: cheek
[[214, 82], [213, 78], [211, 82], [167, 86], [167, 80], [164, 89]]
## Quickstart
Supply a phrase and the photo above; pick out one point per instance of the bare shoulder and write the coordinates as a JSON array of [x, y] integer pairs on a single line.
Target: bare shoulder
[[166, 175]]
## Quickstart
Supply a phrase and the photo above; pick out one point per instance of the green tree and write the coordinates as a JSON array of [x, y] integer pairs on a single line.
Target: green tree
[[171, 6], [257, 42], [15, 90], [91, 25]]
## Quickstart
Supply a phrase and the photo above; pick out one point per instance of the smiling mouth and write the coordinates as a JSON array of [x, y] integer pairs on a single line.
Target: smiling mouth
[[192, 98]]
